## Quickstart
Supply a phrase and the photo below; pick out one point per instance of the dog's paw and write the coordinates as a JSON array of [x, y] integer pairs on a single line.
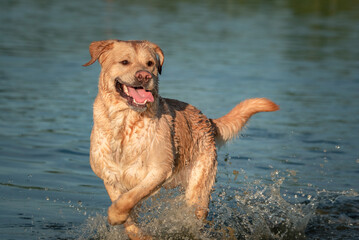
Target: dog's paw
[[201, 213], [135, 233], [115, 216]]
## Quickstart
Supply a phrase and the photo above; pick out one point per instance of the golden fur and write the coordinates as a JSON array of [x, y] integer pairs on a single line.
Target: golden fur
[[137, 148]]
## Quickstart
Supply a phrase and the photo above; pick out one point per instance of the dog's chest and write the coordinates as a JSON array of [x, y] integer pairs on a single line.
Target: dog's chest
[[132, 136], [130, 147]]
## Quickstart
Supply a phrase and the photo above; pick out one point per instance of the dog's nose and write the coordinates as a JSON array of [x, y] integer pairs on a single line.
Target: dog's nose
[[143, 76]]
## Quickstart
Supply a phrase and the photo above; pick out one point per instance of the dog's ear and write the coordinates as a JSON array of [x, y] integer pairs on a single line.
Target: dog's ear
[[97, 48], [159, 53]]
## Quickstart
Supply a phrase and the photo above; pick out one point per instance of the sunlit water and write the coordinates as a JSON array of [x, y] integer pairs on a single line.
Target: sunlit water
[[292, 174]]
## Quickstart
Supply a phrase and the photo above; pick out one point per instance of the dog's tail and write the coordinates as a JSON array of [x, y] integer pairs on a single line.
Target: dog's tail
[[230, 124]]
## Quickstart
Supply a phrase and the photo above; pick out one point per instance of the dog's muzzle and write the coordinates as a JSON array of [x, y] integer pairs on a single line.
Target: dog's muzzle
[[136, 96]]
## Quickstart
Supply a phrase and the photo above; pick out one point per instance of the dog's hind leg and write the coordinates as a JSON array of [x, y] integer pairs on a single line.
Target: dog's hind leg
[[201, 180]]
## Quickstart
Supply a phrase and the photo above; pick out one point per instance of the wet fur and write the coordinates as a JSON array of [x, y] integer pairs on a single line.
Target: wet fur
[[168, 143]]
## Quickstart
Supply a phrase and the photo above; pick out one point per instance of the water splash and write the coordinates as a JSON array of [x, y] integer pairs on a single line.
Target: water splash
[[256, 211]]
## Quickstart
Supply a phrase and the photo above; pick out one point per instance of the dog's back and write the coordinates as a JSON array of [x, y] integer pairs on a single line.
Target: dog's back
[[190, 120]]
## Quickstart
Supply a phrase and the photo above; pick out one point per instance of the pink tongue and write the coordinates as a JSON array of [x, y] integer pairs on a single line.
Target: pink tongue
[[140, 95]]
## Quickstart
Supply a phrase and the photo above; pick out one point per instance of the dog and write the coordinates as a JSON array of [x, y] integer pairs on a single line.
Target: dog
[[141, 142]]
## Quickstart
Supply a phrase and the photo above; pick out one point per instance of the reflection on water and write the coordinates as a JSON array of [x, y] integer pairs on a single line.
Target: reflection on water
[[291, 174]]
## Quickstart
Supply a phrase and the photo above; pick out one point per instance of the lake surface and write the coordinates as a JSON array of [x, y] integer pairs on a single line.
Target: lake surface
[[292, 174]]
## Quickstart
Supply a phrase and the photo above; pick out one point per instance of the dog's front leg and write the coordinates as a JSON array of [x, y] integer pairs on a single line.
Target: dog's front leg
[[113, 192], [120, 209], [132, 230]]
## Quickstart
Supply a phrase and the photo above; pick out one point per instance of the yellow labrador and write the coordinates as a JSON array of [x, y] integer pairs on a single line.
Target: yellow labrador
[[141, 142]]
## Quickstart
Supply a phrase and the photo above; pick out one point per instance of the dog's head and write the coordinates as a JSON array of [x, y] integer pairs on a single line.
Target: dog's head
[[129, 70]]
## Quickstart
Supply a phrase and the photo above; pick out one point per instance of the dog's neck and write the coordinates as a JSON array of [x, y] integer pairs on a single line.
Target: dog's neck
[[122, 117]]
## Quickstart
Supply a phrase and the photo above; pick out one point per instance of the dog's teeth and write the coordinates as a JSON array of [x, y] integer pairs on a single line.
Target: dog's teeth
[[134, 100], [125, 89]]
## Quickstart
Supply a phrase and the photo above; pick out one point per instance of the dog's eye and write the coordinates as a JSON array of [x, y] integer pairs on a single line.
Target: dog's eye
[[124, 62], [149, 63]]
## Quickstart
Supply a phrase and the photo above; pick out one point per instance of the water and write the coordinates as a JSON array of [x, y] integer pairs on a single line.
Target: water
[[292, 174]]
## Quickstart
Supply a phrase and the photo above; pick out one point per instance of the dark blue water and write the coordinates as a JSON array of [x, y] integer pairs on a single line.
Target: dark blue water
[[291, 174]]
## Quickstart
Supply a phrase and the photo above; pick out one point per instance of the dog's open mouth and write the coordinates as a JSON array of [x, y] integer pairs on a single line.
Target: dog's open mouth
[[135, 96]]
